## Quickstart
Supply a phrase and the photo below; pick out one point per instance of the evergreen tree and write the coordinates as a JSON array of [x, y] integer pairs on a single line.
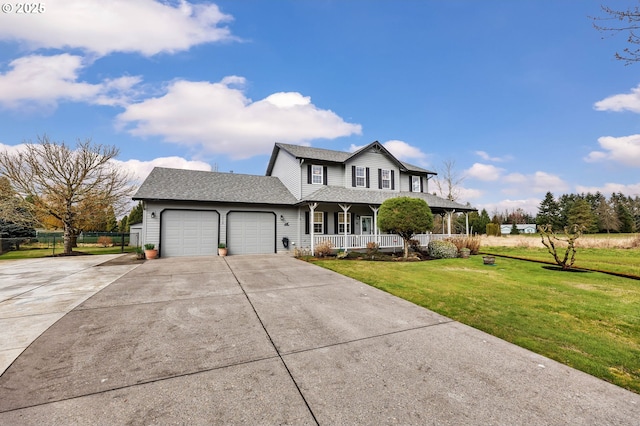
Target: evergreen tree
[[111, 222], [136, 214], [123, 225], [581, 216], [514, 229], [548, 212], [625, 218]]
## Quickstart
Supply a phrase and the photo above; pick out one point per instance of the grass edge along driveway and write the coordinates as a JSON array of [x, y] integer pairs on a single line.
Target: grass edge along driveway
[[586, 320]]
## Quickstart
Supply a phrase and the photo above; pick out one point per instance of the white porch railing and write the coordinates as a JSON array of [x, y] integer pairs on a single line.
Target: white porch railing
[[383, 240]]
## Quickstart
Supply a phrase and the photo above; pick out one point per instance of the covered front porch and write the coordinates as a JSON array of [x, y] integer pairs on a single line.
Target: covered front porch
[[384, 241], [356, 225]]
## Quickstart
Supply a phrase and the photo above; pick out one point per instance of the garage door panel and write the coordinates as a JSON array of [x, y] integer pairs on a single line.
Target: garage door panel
[[189, 233], [251, 233]]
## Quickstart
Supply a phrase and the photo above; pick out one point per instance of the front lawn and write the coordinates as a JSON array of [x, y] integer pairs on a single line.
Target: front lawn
[[587, 320], [625, 261], [34, 252]]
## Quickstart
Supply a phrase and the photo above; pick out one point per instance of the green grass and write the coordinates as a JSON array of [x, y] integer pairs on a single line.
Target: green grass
[[31, 253], [587, 320], [625, 261]]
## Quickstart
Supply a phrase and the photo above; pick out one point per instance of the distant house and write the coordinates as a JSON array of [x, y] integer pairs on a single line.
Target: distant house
[[526, 228], [308, 195]]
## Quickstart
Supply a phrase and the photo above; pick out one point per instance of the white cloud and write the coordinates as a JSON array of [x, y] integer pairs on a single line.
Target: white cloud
[[625, 150], [529, 205], [405, 152], [487, 157], [223, 120], [631, 190], [622, 102], [141, 169], [101, 27], [539, 182], [45, 80], [485, 172]]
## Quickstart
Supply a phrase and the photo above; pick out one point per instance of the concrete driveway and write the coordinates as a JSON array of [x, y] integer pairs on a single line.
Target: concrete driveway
[[273, 340]]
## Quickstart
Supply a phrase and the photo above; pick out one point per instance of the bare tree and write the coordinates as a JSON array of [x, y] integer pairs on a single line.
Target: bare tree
[[13, 208], [65, 182], [550, 238], [626, 21], [448, 181]]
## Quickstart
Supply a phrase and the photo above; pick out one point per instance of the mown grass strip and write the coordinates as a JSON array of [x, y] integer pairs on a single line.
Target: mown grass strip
[[587, 320]]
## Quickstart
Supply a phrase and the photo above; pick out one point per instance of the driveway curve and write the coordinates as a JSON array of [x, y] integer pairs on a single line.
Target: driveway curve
[[273, 340]]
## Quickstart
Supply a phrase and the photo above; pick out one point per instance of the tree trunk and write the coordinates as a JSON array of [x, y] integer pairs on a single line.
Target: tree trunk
[[68, 240], [406, 249]]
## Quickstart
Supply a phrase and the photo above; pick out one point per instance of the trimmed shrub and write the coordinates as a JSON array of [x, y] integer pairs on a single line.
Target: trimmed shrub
[[441, 249]]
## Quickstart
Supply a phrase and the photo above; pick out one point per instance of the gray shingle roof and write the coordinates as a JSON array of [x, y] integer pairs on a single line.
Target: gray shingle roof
[[193, 185], [338, 194], [315, 153], [329, 155]]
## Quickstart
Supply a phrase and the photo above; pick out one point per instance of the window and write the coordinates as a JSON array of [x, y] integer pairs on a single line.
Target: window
[[385, 177], [318, 222], [415, 184], [361, 176], [317, 175], [342, 222]]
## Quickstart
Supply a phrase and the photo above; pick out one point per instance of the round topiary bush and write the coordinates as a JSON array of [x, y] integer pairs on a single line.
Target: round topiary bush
[[442, 249]]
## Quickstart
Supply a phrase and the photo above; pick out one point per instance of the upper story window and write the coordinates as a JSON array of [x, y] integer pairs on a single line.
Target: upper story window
[[385, 179], [415, 184], [361, 176], [317, 175]]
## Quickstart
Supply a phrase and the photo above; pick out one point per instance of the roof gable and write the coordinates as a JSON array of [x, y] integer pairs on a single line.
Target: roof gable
[[332, 156]]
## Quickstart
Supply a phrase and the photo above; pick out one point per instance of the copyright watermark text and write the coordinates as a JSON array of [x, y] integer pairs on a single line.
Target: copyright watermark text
[[23, 8]]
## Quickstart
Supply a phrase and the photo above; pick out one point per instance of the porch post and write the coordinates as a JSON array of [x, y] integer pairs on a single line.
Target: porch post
[[449, 215], [466, 218], [375, 224], [312, 208], [345, 208]]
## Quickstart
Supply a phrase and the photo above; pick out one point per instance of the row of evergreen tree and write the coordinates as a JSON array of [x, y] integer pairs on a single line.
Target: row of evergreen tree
[[595, 213]]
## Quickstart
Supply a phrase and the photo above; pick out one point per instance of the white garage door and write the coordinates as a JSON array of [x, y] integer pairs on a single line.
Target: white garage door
[[251, 232], [189, 233]]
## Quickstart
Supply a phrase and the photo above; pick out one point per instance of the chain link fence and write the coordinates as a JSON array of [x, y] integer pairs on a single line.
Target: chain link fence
[[54, 240]]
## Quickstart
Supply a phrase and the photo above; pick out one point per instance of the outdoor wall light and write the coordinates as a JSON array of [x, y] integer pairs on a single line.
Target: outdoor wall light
[[153, 215], [282, 218]]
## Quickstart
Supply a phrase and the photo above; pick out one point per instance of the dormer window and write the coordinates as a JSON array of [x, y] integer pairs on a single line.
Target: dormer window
[[416, 184], [317, 174]]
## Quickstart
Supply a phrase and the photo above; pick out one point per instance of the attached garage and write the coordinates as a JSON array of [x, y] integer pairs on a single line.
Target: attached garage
[[189, 233], [251, 232]]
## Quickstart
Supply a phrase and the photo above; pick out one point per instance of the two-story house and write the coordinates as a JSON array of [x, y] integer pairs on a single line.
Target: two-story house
[[308, 195]]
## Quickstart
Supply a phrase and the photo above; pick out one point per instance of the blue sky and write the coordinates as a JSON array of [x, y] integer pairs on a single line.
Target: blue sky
[[524, 96]]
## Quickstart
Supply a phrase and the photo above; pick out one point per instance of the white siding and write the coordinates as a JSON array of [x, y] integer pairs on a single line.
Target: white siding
[[284, 228], [287, 168], [375, 161], [335, 177]]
